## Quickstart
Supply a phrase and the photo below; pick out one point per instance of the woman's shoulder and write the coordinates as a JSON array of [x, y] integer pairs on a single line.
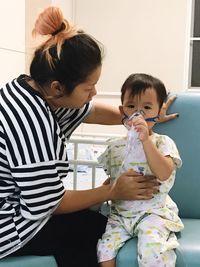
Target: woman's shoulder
[[69, 114]]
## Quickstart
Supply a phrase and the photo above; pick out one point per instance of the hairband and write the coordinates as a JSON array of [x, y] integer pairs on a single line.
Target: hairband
[[62, 27]]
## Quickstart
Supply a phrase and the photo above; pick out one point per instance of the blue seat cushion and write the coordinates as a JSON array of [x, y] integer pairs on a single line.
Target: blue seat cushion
[[28, 261], [185, 132], [188, 253]]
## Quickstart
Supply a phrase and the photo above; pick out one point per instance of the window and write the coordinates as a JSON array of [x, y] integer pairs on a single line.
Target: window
[[193, 75]]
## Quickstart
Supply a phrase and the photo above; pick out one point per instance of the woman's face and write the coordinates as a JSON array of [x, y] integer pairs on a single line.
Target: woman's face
[[82, 93]]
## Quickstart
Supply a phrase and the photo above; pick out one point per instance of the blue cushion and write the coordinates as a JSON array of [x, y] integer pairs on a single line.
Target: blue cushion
[[185, 131], [188, 253], [28, 261]]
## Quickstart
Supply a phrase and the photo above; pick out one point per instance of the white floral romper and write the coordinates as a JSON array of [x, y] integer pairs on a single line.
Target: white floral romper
[[153, 221]]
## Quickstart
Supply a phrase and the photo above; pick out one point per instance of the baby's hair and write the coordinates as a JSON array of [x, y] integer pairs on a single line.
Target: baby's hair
[[138, 83], [68, 55]]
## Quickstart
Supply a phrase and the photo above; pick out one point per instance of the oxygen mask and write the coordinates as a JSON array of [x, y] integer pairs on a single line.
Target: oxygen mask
[[127, 119]]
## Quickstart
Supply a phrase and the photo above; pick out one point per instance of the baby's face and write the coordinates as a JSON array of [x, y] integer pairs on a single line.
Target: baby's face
[[146, 103]]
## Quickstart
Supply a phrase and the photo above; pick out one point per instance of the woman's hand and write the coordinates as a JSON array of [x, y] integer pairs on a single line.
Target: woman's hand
[[163, 117], [134, 186]]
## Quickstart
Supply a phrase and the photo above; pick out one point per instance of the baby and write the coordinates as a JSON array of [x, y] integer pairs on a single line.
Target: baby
[[148, 153]]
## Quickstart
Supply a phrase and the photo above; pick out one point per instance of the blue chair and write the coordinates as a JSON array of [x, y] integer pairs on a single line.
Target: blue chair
[[28, 261], [186, 191], [185, 131]]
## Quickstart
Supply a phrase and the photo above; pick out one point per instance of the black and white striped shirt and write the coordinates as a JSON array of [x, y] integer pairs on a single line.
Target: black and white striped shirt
[[33, 161]]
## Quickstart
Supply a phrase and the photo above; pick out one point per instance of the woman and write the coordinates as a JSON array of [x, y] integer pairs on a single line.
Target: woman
[[38, 216]]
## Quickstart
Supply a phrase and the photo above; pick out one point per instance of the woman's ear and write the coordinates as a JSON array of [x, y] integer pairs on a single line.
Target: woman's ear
[[56, 89]]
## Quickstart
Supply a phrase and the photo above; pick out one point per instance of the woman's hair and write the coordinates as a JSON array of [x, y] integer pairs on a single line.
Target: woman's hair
[[138, 83], [68, 56]]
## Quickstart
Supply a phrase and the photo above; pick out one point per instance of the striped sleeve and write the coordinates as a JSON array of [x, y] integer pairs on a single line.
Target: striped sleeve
[[34, 150], [27, 127], [41, 189], [70, 119]]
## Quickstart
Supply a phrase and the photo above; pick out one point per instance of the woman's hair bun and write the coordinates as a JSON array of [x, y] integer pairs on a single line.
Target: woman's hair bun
[[49, 21]]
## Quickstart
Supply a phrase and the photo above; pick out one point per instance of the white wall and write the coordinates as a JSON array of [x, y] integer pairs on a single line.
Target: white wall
[[12, 41], [67, 7], [139, 36]]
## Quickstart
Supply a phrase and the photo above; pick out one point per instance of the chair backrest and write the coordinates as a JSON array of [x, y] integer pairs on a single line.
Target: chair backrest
[[185, 131]]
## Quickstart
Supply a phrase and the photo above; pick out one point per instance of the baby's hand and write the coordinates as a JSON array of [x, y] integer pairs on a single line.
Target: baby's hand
[[141, 127]]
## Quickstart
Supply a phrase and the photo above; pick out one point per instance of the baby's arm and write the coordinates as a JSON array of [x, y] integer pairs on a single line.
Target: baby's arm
[[161, 166]]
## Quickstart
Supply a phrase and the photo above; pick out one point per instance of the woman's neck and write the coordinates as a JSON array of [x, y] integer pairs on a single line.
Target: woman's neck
[[35, 86]]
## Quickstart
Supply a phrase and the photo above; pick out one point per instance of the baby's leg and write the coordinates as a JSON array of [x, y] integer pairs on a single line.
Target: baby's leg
[[156, 243], [112, 240]]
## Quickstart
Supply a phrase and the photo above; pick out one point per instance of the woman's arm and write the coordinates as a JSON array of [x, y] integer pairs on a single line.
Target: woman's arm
[[104, 114], [110, 115], [128, 186]]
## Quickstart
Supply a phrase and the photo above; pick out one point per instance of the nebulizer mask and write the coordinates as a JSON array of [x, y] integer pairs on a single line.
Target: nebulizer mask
[[134, 149], [133, 141]]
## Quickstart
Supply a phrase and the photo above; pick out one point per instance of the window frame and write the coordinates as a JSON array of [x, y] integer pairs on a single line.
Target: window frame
[[190, 39]]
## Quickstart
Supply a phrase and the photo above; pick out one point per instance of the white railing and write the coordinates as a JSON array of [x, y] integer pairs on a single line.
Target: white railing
[[90, 139]]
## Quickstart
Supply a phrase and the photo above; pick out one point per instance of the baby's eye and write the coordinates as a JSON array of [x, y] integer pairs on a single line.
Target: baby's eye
[[147, 107], [130, 106]]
